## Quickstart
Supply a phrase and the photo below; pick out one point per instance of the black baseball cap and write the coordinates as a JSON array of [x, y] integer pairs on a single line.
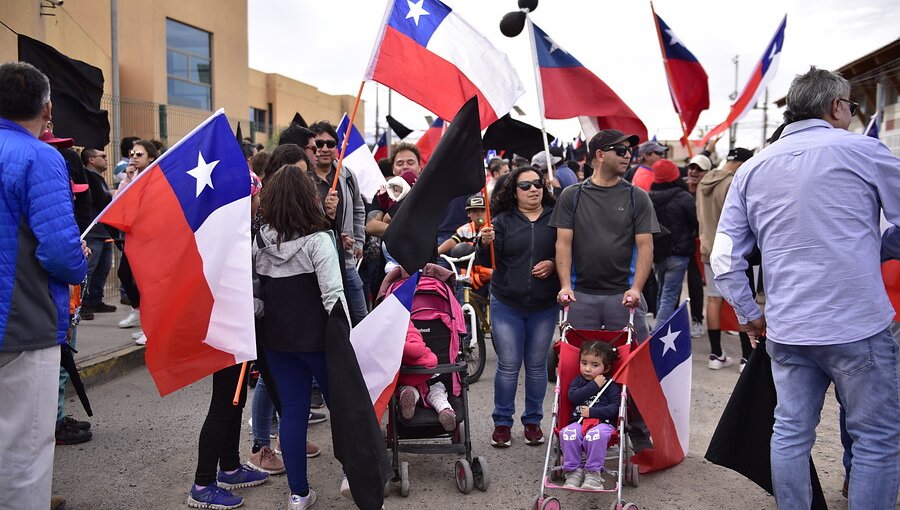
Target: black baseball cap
[[609, 137], [475, 202], [739, 154]]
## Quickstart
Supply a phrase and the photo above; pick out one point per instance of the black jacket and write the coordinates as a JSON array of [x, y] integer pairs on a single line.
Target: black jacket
[[100, 198], [519, 244], [677, 211]]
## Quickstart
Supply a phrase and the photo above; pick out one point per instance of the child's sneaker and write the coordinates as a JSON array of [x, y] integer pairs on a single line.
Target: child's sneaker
[[447, 417], [574, 478], [593, 480], [408, 397], [213, 496], [718, 362], [296, 502], [242, 477]]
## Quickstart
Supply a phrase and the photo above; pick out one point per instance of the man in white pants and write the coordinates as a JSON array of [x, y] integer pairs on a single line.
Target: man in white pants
[[40, 255]]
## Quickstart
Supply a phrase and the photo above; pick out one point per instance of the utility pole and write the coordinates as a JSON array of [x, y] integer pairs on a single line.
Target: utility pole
[[765, 109], [390, 133], [732, 130], [117, 125], [376, 113]]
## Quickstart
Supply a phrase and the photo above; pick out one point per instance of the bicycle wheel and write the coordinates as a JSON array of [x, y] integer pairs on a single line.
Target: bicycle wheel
[[476, 355]]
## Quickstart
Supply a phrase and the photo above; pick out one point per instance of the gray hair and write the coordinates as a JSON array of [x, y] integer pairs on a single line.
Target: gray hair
[[811, 94]]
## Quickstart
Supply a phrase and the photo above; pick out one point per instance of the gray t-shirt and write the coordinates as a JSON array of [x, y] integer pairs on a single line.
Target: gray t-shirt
[[604, 254]]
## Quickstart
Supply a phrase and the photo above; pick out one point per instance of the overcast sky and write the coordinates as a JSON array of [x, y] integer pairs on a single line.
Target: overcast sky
[[328, 43]]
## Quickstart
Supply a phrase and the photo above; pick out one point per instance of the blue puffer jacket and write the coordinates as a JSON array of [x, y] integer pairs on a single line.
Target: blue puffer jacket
[[40, 253]]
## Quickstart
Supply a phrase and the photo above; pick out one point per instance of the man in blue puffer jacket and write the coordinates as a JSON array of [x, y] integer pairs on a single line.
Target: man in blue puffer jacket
[[40, 255]]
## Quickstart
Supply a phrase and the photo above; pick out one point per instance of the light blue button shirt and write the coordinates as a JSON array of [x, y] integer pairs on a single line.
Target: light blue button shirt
[[812, 201]]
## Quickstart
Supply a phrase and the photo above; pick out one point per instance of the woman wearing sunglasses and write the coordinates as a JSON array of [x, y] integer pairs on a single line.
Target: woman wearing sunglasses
[[523, 299]]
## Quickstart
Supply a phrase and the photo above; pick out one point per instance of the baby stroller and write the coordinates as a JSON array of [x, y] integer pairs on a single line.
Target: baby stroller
[[619, 447], [438, 317]]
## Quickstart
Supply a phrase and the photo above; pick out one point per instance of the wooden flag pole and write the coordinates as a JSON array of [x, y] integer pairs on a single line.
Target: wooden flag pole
[[487, 219], [240, 384], [662, 50], [540, 95], [340, 162]]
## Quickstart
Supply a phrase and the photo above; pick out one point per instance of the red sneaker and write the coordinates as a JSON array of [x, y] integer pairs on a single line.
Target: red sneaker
[[502, 436], [533, 434]]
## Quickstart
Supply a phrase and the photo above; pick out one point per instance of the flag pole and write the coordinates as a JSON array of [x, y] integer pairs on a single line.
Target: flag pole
[[240, 384], [662, 50], [487, 219], [540, 93], [340, 162]]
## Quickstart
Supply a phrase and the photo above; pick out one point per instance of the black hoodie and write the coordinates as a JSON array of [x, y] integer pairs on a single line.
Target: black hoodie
[[675, 208]]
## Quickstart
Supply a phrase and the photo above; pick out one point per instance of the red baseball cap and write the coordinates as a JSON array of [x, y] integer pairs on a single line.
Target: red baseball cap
[[59, 143], [78, 188]]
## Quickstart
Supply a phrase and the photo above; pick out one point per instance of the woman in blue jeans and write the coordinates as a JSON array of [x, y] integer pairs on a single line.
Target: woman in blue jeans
[[300, 281], [523, 299]]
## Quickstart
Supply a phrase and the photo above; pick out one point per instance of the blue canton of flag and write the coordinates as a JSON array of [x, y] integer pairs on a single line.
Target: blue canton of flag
[[418, 19], [670, 345]]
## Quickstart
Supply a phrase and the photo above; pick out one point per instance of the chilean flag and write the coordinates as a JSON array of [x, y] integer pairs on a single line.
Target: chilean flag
[[658, 376], [359, 160], [186, 220], [381, 150], [430, 139], [378, 342], [760, 77], [688, 83], [436, 59], [570, 90]]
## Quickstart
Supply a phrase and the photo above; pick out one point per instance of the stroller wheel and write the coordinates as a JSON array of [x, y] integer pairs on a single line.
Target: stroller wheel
[[481, 473], [630, 506], [464, 479], [550, 504], [404, 479], [633, 475], [617, 505]]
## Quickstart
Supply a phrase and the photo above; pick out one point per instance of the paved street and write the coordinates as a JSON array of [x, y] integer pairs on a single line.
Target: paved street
[[144, 451]]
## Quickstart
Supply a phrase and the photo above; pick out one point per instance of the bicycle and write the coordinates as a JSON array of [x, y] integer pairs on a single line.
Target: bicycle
[[477, 313]]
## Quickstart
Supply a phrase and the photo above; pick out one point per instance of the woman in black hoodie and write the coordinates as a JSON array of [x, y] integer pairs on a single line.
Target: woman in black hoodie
[[523, 299]]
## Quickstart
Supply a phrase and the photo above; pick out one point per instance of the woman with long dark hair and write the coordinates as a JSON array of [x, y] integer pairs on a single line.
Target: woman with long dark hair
[[300, 280], [523, 298]]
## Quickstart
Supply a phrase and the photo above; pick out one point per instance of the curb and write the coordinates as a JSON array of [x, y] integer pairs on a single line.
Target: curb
[[107, 366]]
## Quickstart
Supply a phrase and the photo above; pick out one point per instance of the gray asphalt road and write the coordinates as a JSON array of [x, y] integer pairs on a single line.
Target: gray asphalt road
[[144, 452]]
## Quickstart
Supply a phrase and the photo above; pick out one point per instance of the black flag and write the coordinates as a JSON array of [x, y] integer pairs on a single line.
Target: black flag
[[514, 137], [355, 431], [75, 90], [456, 168], [299, 121], [238, 134], [742, 437], [398, 128]]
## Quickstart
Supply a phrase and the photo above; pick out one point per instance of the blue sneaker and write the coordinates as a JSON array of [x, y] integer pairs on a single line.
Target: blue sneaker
[[213, 497], [243, 477]]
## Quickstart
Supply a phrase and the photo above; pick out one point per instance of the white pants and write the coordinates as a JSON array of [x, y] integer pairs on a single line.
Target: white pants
[[29, 383]]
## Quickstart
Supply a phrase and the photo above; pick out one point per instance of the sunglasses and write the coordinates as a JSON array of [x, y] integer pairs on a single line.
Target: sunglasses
[[99, 156], [854, 106], [620, 150], [526, 185], [311, 147], [134, 154], [660, 153], [331, 144]]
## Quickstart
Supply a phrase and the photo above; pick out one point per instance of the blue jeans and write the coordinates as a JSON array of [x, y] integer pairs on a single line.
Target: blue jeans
[[670, 275], [293, 373], [520, 337], [262, 411], [866, 374], [356, 299], [99, 264]]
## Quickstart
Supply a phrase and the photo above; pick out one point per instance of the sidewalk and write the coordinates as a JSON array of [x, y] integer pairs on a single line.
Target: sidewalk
[[106, 351]]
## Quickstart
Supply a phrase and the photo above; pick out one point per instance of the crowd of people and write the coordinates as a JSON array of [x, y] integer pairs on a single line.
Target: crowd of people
[[613, 229]]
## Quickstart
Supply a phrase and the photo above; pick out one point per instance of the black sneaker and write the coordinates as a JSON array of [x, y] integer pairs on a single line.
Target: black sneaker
[[86, 316], [66, 434], [98, 308], [316, 417], [78, 424], [316, 400]]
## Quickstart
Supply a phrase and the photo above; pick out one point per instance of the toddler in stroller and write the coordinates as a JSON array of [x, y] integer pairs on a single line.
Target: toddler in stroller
[[414, 387], [594, 417]]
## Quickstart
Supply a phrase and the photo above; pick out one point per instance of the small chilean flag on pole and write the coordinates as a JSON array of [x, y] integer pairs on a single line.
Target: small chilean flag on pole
[[381, 150], [186, 220], [658, 377], [360, 161], [378, 343], [430, 139], [436, 59], [760, 77]]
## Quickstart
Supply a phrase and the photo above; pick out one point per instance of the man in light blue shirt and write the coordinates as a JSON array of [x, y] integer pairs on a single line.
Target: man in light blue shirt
[[812, 201]]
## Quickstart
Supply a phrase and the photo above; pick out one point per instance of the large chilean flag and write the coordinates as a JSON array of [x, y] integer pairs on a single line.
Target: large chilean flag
[[760, 77], [186, 220], [658, 377], [570, 90], [435, 58], [688, 82]]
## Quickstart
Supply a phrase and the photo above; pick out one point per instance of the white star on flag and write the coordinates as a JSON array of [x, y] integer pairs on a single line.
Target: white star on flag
[[553, 45], [673, 39], [416, 11], [669, 340], [203, 173]]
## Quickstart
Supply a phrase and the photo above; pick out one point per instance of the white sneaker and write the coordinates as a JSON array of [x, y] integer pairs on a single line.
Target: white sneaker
[[301, 502], [717, 362], [345, 488], [139, 338], [133, 319], [696, 329]]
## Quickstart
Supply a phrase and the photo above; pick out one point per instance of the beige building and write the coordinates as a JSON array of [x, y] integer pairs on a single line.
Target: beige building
[[178, 61]]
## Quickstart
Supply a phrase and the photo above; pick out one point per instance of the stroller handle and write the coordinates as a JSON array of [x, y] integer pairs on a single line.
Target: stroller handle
[[468, 259]]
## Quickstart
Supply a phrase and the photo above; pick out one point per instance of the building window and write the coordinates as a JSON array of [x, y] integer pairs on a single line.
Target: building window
[[258, 120], [188, 66]]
